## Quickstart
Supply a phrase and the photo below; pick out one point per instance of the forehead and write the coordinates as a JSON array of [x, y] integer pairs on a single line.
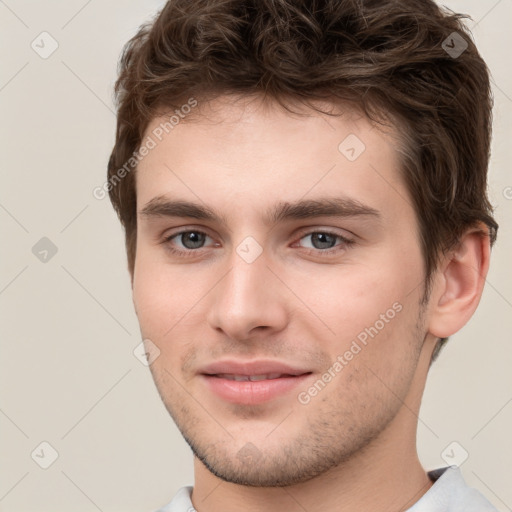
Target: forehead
[[242, 147]]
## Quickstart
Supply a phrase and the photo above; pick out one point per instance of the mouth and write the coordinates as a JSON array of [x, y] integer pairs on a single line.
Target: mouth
[[252, 382], [252, 378]]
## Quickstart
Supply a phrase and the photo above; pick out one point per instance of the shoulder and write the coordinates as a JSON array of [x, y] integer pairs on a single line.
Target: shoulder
[[450, 493], [180, 503]]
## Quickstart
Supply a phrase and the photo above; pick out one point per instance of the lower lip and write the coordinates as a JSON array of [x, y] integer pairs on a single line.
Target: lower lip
[[252, 392]]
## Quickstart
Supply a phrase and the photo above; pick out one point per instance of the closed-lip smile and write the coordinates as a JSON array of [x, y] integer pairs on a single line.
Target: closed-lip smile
[[251, 382]]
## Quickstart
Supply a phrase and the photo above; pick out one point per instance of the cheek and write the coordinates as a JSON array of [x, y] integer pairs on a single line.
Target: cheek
[[168, 299], [349, 299], [371, 314], [162, 314], [156, 298]]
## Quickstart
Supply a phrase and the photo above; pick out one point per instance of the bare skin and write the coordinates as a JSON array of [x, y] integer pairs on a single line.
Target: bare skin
[[351, 444]]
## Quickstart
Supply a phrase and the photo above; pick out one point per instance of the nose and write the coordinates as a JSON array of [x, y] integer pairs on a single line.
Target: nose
[[248, 300]]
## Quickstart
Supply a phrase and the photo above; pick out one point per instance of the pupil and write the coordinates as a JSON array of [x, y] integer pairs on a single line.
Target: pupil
[[324, 240], [192, 240]]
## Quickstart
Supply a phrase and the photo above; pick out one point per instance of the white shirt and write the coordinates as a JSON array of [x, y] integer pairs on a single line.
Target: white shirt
[[448, 494]]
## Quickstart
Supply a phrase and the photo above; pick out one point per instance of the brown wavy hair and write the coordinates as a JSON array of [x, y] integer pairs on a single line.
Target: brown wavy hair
[[387, 58]]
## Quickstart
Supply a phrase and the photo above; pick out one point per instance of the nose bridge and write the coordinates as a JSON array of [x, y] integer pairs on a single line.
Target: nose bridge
[[248, 263], [246, 283], [246, 297], [247, 275]]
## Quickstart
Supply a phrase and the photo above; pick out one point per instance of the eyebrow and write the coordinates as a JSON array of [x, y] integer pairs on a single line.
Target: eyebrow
[[344, 207]]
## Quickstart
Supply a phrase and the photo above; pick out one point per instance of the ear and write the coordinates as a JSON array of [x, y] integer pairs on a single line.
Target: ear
[[459, 283]]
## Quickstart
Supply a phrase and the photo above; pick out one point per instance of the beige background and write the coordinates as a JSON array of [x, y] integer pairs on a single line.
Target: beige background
[[68, 373]]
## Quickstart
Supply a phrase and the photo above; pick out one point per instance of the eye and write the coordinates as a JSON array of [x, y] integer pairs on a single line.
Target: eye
[[186, 241], [324, 242]]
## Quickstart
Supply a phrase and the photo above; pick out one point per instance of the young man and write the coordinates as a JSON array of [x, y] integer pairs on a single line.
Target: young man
[[303, 190]]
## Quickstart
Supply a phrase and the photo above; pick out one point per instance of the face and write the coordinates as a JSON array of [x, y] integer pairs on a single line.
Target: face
[[278, 278]]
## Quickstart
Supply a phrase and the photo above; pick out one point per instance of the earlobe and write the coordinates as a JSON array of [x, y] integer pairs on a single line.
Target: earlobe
[[460, 284]]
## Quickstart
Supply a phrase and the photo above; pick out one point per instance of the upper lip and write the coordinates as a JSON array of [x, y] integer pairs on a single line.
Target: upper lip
[[254, 367]]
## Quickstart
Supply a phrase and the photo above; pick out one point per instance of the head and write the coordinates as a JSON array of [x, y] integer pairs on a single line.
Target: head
[[292, 127]]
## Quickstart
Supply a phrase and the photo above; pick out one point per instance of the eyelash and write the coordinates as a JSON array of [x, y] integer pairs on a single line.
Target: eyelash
[[346, 243]]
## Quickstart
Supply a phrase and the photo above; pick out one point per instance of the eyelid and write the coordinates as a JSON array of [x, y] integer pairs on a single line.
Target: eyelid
[[169, 233], [327, 230]]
